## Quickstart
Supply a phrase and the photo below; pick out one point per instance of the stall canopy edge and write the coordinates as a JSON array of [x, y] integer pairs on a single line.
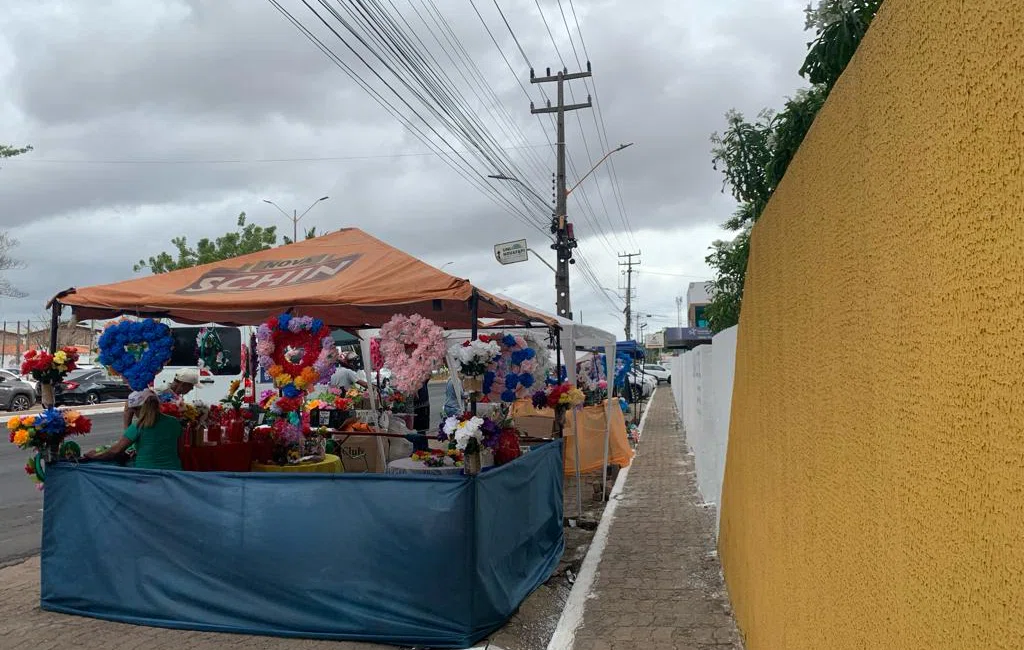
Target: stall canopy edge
[[348, 278]]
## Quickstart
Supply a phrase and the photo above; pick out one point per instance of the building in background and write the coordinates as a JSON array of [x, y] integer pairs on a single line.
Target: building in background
[[655, 343], [698, 297]]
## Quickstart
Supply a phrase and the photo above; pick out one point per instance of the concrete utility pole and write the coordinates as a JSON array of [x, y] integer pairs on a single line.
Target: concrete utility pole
[[679, 311], [565, 240], [629, 264]]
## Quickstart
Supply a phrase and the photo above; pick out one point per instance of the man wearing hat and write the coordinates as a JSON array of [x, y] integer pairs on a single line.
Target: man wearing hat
[[183, 383], [344, 376]]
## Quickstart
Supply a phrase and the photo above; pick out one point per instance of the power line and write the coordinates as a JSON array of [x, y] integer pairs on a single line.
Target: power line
[[452, 157], [237, 161], [598, 115]]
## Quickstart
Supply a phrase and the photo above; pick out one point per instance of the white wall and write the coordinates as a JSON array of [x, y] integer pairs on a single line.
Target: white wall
[[702, 386]]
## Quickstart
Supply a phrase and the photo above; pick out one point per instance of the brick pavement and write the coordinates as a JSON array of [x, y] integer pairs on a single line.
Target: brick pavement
[[23, 626], [659, 584]]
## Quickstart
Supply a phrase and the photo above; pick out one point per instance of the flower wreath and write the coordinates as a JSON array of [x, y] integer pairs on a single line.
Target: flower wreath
[[210, 350], [412, 347], [136, 349], [523, 363], [296, 351]]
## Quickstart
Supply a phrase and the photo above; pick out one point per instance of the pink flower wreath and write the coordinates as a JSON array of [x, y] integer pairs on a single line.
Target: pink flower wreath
[[411, 347]]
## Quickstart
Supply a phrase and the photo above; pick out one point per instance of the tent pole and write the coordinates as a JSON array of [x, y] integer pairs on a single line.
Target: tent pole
[[579, 479], [56, 308], [608, 349], [474, 316]]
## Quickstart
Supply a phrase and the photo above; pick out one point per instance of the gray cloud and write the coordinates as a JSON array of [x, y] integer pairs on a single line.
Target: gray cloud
[[197, 82]]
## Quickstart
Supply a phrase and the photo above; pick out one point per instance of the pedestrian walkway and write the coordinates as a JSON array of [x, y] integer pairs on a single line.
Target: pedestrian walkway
[[658, 582]]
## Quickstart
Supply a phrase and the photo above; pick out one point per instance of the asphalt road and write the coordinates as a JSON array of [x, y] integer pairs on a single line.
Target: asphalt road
[[21, 504]]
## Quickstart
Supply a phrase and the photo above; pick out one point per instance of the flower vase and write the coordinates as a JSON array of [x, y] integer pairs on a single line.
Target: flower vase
[[472, 463], [473, 384], [486, 458], [52, 451], [213, 434], [46, 395], [236, 430], [558, 426]]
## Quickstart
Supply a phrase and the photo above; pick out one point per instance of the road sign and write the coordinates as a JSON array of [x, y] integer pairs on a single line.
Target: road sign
[[511, 252]]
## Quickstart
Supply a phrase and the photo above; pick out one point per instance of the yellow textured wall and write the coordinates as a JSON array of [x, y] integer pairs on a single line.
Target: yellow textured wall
[[874, 486]]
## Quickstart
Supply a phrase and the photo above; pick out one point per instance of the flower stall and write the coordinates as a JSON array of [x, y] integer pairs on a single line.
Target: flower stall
[[406, 559], [588, 422]]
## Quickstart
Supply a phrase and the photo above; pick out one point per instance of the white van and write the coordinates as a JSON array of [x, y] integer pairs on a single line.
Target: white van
[[216, 371]]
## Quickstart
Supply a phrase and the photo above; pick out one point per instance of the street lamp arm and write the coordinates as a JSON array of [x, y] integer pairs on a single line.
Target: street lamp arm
[[288, 216], [594, 168], [322, 198], [533, 193], [537, 255]]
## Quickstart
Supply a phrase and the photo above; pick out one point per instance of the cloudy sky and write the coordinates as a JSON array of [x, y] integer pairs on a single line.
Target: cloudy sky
[[156, 119]]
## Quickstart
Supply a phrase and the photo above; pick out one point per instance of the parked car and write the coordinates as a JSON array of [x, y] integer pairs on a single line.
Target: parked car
[[16, 394], [90, 387], [640, 385], [659, 372]]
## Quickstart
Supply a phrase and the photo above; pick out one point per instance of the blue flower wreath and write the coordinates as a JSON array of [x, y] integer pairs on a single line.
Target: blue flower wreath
[[136, 350]]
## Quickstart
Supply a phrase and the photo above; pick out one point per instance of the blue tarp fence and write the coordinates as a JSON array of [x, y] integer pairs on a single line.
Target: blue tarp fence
[[406, 559]]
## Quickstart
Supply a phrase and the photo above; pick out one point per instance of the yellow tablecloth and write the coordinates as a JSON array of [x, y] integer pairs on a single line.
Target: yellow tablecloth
[[331, 464]]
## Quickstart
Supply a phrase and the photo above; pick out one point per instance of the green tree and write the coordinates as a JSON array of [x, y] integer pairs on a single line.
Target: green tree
[[248, 238], [754, 157], [8, 243], [7, 151], [840, 26], [310, 234]]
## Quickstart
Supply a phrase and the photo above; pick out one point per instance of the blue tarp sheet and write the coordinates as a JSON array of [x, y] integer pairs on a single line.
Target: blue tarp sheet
[[406, 560]]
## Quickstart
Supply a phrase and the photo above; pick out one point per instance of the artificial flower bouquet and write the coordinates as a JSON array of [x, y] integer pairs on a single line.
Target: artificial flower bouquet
[[328, 408], [45, 433], [475, 356], [561, 398], [357, 394], [329, 398], [594, 393], [395, 400], [49, 368], [235, 397], [470, 434]]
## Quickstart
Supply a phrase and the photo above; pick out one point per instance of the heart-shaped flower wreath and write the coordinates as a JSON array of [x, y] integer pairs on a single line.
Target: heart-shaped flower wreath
[[297, 352], [411, 347], [136, 349]]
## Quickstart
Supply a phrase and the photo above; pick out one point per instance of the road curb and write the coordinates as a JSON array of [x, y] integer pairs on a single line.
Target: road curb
[[564, 637]]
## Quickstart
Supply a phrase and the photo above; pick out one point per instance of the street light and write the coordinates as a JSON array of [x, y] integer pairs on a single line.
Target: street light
[[295, 219], [592, 169], [533, 193]]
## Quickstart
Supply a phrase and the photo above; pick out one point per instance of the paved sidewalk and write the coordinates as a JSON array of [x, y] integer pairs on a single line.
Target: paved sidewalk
[[659, 584], [23, 626]]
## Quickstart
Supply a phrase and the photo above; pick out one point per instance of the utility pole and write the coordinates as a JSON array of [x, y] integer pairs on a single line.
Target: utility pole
[[565, 240], [679, 312], [629, 264]]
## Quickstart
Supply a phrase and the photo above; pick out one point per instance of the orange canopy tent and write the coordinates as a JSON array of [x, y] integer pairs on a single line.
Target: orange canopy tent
[[347, 278]]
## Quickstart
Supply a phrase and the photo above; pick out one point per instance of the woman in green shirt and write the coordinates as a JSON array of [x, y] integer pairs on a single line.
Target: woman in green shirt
[[154, 435]]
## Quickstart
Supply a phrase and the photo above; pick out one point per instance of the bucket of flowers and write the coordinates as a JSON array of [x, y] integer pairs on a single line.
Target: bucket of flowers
[[328, 408], [49, 369], [474, 357], [46, 433], [470, 435], [561, 398]]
